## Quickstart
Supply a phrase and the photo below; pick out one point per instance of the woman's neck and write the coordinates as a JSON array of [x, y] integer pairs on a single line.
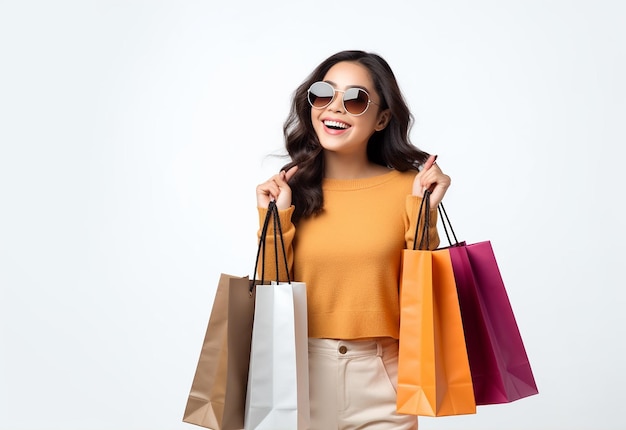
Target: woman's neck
[[338, 166]]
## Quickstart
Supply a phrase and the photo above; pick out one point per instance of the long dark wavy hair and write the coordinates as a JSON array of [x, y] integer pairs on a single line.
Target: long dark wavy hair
[[389, 147]]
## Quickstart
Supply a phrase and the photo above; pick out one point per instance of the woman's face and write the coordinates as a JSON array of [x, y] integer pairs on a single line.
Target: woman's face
[[336, 129]]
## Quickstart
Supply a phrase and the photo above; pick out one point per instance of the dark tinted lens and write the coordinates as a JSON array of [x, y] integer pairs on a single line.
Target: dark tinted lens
[[355, 100], [321, 94]]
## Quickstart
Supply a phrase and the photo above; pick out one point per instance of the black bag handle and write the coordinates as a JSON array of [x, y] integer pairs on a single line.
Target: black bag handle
[[445, 221], [278, 227], [261, 247], [425, 210], [272, 211]]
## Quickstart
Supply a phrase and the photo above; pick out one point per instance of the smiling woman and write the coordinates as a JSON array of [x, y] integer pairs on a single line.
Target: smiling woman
[[348, 202]]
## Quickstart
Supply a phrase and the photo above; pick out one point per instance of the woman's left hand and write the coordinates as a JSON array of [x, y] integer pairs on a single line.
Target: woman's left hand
[[431, 178]]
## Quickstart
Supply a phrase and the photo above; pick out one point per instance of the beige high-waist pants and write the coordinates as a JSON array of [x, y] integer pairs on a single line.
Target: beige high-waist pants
[[353, 385]]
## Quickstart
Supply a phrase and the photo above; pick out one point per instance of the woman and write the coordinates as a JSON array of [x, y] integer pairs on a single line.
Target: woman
[[348, 202]]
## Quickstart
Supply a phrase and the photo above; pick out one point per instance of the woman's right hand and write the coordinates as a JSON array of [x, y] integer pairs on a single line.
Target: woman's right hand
[[276, 188]]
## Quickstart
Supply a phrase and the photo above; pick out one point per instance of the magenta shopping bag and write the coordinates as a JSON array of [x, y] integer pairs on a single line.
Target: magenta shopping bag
[[500, 368], [501, 372]]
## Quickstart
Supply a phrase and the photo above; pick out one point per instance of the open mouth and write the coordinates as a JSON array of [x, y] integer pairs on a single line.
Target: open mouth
[[336, 125]]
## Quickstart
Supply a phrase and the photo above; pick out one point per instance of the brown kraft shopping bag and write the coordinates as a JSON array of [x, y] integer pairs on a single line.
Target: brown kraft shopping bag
[[217, 399], [218, 392]]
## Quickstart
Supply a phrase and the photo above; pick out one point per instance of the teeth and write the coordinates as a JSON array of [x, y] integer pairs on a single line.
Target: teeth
[[335, 124]]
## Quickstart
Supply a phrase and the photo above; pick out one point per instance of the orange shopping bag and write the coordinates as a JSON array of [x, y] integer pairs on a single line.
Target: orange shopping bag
[[434, 376]]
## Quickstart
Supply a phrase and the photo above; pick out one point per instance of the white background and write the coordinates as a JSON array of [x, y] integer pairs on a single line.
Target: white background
[[133, 134]]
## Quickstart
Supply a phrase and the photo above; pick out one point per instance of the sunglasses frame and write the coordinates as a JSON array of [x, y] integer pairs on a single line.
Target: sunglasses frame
[[343, 102]]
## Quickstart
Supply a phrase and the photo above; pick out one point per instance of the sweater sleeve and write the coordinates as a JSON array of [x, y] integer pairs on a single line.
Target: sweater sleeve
[[269, 264], [412, 212]]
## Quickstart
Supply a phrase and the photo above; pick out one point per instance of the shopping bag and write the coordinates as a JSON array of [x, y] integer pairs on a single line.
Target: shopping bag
[[278, 384], [501, 371], [434, 376], [217, 399], [218, 391], [278, 379]]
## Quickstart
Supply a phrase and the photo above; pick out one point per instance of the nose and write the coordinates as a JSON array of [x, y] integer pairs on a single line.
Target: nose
[[337, 104]]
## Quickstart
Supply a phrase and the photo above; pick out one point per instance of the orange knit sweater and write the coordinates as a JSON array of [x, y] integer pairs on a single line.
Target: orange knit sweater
[[349, 256]]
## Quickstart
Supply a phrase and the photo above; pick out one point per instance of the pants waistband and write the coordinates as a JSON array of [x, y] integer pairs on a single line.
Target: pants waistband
[[351, 348]]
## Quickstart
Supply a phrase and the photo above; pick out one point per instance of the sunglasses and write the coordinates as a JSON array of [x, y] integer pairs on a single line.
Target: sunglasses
[[355, 100]]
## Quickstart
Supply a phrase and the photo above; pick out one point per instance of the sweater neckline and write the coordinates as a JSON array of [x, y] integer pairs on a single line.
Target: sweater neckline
[[359, 183]]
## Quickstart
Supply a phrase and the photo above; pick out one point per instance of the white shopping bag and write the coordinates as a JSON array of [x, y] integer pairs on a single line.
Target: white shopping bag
[[278, 380]]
